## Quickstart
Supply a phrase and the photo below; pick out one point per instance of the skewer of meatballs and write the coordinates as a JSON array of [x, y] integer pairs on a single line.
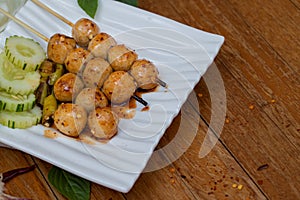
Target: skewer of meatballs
[[99, 72]]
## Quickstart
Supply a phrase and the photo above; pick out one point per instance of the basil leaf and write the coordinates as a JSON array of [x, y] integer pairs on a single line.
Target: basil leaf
[[69, 185], [89, 6], [130, 2]]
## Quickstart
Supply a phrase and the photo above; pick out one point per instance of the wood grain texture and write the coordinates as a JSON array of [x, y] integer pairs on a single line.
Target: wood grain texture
[[98, 192], [29, 185], [191, 177], [212, 176], [278, 23], [261, 71]]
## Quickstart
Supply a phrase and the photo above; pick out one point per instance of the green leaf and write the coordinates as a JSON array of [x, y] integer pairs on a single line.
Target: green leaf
[[89, 6], [130, 2], [69, 185]]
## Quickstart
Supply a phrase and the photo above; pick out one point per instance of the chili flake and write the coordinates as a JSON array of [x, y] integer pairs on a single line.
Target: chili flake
[[172, 170], [227, 120], [251, 107], [240, 187], [262, 167], [200, 95]]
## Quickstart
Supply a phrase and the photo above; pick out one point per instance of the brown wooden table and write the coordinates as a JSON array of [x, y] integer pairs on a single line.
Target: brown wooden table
[[257, 155]]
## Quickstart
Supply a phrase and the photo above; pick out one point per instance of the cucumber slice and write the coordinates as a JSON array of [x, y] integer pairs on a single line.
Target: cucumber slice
[[16, 103], [25, 53], [21, 120], [16, 81]]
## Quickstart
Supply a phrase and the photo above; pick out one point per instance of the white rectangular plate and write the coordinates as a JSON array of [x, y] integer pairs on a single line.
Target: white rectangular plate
[[182, 55]]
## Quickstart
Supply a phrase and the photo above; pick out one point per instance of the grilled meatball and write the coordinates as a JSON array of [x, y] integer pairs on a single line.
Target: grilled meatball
[[100, 45], [96, 72], [103, 123], [91, 98], [121, 58], [145, 74], [76, 59], [84, 30], [70, 119], [59, 47], [119, 87], [67, 87]]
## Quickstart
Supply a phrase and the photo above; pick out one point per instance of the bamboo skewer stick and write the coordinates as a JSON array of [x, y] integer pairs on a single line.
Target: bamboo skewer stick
[[23, 24], [139, 99], [47, 40], [40, 4]]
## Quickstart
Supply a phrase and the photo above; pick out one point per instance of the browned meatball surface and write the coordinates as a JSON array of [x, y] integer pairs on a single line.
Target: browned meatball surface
[[121, 58], [119, 87], [100, 45], [145, 74], [91, 98], [103, 123], [96, 72], [59, 47], [84, 30], [70, 119], [67, 87], [76, 58]]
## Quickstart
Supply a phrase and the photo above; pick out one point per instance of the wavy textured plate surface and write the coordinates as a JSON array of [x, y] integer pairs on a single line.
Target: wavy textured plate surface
[[182, 55]]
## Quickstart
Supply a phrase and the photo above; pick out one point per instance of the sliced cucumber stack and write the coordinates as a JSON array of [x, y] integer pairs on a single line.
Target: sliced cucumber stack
[[16, 81], [21, 120], [16, 103], [24, 53]]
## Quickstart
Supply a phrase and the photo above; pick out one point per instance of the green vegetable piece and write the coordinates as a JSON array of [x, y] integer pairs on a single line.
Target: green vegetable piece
[[16, 81], [89, 6], [21, 120], [42, 92], [50, 106], [69, 185], [59, 71], [130, 2], [15, 102], [46, 68], [24, 53]]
